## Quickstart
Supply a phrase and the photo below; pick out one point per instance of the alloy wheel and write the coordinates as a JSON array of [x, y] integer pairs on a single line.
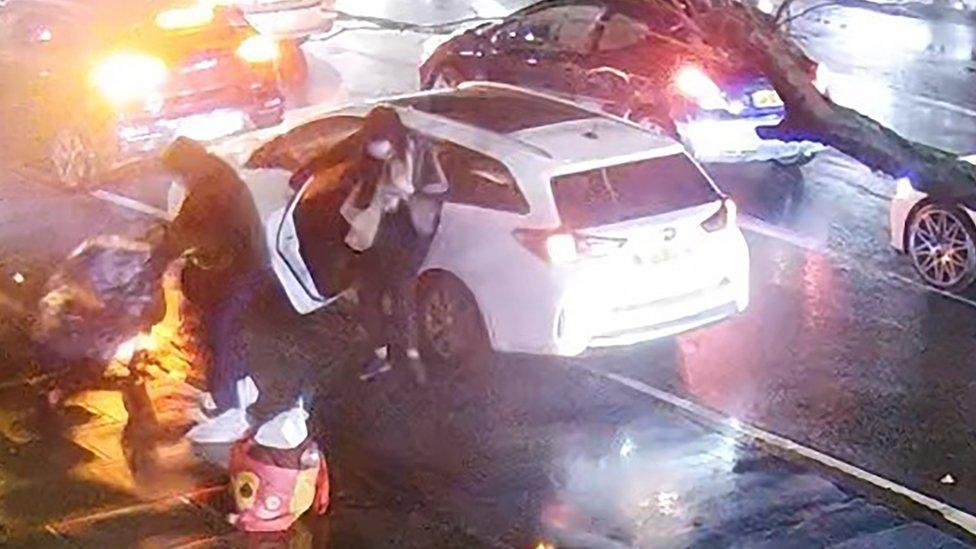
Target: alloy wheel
[[942, 249], [440, 324], [71, 158]]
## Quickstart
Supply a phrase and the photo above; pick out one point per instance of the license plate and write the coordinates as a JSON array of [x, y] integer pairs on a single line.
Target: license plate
[[766, 99], [210, 126], [663, 255]]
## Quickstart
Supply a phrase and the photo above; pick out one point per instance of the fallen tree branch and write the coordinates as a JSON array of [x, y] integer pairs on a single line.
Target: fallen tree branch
[[812, 116], [743, 32]]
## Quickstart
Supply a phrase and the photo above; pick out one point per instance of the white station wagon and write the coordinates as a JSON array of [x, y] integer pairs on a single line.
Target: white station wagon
[[564, 229]]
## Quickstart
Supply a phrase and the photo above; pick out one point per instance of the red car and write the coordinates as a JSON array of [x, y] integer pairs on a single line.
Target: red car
[[90, 92]]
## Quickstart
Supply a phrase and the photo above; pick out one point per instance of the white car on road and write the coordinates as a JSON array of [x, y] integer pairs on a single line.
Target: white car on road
[[938, 236], [564, 229]]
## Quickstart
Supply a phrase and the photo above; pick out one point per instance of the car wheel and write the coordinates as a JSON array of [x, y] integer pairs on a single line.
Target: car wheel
[[73, 161], [451, 328], [942, 245]]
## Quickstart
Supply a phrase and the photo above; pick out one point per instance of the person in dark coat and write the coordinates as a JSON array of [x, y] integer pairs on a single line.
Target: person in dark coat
[[219, 228]]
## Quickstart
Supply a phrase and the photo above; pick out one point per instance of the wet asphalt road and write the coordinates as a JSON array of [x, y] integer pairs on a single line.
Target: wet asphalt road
[[840, 350]]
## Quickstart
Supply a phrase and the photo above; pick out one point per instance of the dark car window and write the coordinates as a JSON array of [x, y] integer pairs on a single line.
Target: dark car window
[[479, 180], [630, 191], [620, 32], [563, 28]]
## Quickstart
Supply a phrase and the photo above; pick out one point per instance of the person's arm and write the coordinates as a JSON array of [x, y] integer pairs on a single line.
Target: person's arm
[[343, 151], [191, 232]]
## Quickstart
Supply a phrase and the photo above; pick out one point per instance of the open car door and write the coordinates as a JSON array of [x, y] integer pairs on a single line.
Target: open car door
[[307, 242], [286, 240], [287, 261]]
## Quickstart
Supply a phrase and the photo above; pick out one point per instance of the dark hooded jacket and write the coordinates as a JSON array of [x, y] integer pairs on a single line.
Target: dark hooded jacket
[[217, 220]]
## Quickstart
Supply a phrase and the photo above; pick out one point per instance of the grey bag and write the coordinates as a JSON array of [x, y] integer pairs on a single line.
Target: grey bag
[[106, 292]]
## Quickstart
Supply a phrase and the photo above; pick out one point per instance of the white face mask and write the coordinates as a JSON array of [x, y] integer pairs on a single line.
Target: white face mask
[[399, 172], [380, 150]]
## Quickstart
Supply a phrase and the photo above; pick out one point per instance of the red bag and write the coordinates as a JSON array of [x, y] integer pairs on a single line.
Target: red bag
[[272, 488]]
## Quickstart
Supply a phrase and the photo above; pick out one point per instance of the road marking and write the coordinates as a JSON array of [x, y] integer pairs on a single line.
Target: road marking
[[146, 505], [912, 282], [129, 203], [956, 516], [952, 107], [862, 79]]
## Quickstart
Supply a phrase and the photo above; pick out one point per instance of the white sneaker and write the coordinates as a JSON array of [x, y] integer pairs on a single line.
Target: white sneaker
[[284, 431], [227, 427], [207, 403], [247, 392]]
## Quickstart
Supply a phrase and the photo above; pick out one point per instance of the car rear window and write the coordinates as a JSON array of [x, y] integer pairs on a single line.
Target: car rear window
[[630, 191]]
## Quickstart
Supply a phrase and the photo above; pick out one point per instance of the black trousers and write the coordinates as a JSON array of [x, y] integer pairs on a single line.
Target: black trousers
[[225, 335], [389, 312]]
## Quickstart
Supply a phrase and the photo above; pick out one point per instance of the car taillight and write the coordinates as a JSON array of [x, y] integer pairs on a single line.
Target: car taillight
[[721, 219], [566, 247]]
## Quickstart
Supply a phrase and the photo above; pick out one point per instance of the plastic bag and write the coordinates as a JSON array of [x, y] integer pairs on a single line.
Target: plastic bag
[[107, 291]]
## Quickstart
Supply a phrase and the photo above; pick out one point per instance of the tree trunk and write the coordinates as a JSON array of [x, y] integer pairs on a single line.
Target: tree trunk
[[745, 32]]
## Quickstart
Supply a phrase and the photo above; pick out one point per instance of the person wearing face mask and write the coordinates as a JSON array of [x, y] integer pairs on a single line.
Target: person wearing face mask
[[390, 227], [218, 223]]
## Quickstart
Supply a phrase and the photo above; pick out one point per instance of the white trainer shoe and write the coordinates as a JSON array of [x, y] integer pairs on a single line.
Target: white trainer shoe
[[207, 404], [247, 392], [225, 428], [286, 430]]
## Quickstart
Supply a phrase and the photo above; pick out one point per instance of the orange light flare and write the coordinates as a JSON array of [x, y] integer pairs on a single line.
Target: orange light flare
[[185, 17], [128, 348], [164, 339], [259, 49]]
